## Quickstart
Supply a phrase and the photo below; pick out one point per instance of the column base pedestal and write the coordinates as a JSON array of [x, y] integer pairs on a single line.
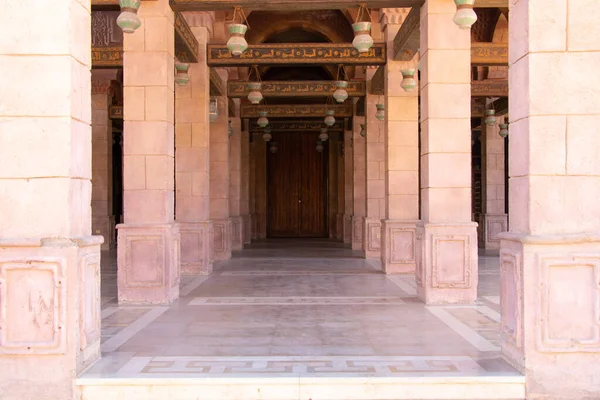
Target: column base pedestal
[[347, 229], [493, 225], [247, 231], [221, 239], [196, 248], [550, 300], [237, 232], [372, 238], [50, 298], [446, 271], [339, 226], [357, 233], [399, 252], [148, 263], [105, 226]]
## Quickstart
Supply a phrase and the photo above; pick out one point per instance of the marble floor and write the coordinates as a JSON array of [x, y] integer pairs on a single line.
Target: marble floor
[[284, 308]]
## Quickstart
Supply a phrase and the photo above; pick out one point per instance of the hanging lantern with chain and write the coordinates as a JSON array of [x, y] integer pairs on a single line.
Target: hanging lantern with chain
[[273, 148], [362, 130], [329, 117], [319, 146], [490, 117], [340, 93], [262, 119], [267, 135], [408, 80], [380, 114], [362, 30], [213, 110], [128, 19], [237, 43], [182, 77], [323, 136], [503, 130], [255, 96]]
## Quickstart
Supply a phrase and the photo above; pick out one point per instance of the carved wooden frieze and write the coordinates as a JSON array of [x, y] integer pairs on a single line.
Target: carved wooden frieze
[[273, 5], [294, 110], [298, 126], [378, 82], [477, 107], [295, 88], [407, 40], [115, 112], [107, 39], [489, 88], [298, 53], [487, 54], [186, 45]]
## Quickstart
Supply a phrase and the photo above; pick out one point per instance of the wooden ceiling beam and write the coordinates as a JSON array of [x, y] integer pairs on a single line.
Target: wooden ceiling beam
[[295, 110], [295, 88], [489, 54], [186, 45], [298, 126], [377, 82], [489, 88], [217, 86], [296, 54], [408, 38]]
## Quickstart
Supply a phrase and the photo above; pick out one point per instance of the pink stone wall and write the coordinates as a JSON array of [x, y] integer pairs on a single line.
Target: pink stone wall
[[348, 185], [359, 184], [235, 183]]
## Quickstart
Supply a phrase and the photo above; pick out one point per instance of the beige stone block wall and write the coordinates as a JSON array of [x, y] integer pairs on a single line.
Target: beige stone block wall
[[235, 183], [48, 257], [332, 186], [550, 259], [359, 185]]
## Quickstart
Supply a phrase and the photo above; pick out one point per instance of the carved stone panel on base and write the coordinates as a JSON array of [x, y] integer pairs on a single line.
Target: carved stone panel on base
[[493, 225], [347, 229], [195, 248], [236, 233], [398, 255], [247, 225], [148, 263], [357, 233], [372, 238], [447, 263], [222, 239]]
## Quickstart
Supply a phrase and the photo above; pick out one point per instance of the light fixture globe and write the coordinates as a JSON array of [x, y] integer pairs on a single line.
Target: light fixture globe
[[362, 130], [409, 82], [323, 136], [465, 17], [213, 110], [128, 20], [490, 117], [362, 36], [340, 93], [237, 43], [273, 148], [503, 130], [319, 146], [255, 96], [182, 77], [329, 117], [380, 114], [262, 119]]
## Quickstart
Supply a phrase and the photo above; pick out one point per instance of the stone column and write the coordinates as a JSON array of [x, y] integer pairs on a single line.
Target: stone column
[[148, 243], [447, 239], [550, 259], [348, 186], [235, 184], [401, 142], [375, 174], [332, 186], [260, 187], [495, 218], [252, 186], [359, 184], [245, 185], [339, 220], [192, 157], [219, 179], [103, 220], [49, 262]]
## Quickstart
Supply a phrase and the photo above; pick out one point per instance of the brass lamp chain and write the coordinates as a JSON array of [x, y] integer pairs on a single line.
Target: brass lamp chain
[[238, 11], [362, 10]]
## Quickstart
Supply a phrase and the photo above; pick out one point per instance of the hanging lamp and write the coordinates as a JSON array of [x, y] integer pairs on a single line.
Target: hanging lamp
[[255, 96], [490, 117], [408, 80], [362, 31], [362, 130], [340, 94], [323, 136], [237, 43], [319, 146], [329, 117], [267, 135], [262, 119], [273, 148], [128, 20], [230, 128], [465, 16], [182, 77], [213, 109], [380, 114], [503, 130]]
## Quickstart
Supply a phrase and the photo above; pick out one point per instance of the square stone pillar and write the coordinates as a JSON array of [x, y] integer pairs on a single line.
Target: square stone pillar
[[192, 158], [49, 262], [103, 220], [359, 184], [401, 150], [219, 179], [348, 186], [245, 184], [235, 184], [495, 217], [259, 220], [332, 186], [339, 220], [447, 239], [550, 259], [375, 177], [148, 242]]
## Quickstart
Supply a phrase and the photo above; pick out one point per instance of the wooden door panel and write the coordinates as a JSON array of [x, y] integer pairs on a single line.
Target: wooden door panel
[[297, 184]]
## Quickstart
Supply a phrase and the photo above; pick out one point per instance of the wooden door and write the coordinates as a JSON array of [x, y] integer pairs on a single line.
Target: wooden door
[[297, 187]]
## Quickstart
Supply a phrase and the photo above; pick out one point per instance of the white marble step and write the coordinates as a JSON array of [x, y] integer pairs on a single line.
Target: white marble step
[[303, 388]]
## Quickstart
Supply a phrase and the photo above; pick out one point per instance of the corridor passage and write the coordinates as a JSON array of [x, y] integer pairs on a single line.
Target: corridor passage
[[296, 308]]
